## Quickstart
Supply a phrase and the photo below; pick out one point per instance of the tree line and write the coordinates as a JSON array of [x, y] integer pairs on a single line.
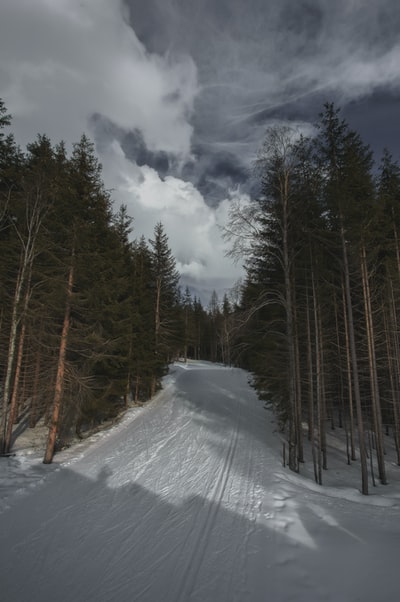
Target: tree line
[[318, 321], [89, 317]]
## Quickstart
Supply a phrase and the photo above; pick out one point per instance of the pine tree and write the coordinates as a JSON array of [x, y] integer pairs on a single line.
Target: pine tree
[[188, 325], [165, 281], [27, 211], [143, 322], [346, 158], [84, 223], [388, 187]]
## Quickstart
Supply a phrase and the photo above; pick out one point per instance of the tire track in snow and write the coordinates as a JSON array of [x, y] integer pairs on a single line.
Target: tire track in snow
[[215, 495]]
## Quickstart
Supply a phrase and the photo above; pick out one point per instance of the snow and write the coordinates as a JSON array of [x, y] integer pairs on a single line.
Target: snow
[[186, 499]]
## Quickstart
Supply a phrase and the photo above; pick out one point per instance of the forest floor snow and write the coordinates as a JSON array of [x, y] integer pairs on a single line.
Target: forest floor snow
[[186, 500]]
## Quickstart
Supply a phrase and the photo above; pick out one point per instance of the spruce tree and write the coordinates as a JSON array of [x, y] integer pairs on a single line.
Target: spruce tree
[[165, 278]]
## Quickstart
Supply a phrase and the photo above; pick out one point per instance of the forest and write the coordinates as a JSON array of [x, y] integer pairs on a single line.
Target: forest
[[91, 317], [318, 320]]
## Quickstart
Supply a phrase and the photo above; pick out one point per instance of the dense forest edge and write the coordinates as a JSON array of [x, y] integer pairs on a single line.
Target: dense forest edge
[[91, 317], [320, 304]]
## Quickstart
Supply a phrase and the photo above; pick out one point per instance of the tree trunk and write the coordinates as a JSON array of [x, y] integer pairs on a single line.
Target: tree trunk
[[15, 390], [12, 349], [375, 396], [323, 397], [310, 374], [354, 361], [59, 384], [318, 370], [34, 217], [299, 412], [393, 353], [293, 462], [349, 377], [33, 415]]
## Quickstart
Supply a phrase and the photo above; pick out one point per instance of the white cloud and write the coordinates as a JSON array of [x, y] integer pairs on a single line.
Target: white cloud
[[192, 226], [363, 75], [61, 61]]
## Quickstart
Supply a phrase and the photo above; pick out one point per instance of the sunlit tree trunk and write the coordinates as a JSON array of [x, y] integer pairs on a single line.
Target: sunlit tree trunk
[[59, 384]]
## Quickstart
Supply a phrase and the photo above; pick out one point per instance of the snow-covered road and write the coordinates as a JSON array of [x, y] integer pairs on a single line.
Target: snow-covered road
[[186, 500]]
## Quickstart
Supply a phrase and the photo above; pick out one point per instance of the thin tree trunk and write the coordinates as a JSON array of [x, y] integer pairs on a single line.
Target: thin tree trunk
[[34, 216], [349, 377], [22, 395], [128, 387], [14, 395], [185, 346], [293, 462], [396, 408], [137, 386], [12, 349], [127, 391], [311, 432], [342, 412], [371, 461], [318, 369], [59, 384], [16, 386], [323, 397], [354, 361], [394, 362], [397, 247], [299, 413], [15, 389], [376, 404], [310, 373], [157, 312], [339, 349], [157, 319], [35, 392]]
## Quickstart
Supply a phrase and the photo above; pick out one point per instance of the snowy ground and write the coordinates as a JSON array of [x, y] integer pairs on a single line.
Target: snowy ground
[[186, 500]]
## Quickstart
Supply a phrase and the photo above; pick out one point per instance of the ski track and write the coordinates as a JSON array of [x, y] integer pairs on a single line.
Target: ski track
[[186, 502], [215, 492]]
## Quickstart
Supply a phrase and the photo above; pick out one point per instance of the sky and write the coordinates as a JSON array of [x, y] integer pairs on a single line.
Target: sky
[[177, 96]]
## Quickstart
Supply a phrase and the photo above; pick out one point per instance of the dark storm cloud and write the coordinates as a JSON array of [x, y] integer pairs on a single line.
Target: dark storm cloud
[[73, 66], [135, 149], [260, 61], [178, 94], [132, 143], [377, 119], [213, 173]]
